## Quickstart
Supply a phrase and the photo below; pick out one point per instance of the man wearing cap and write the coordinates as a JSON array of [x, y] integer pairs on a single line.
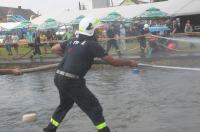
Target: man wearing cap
[[112, 34], [78, 56], [142, 40]]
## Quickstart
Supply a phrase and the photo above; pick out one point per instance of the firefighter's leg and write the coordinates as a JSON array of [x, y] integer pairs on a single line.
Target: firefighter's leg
[[91, 106], [66, 104], [114, 42], [108, 46]]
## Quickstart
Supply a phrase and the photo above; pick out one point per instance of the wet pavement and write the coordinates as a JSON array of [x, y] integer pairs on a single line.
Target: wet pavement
[[156, 100]]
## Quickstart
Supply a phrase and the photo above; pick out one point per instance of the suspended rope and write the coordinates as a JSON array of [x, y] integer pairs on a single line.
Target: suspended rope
[[121, 38], [132, 49], [23, 55]]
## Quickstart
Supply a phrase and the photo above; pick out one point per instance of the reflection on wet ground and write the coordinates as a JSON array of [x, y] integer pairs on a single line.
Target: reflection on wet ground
[[156, 100]]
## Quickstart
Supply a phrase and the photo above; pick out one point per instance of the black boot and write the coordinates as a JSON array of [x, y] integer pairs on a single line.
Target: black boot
[[50, 128], [119, 54], [31, 56], [106, 129]]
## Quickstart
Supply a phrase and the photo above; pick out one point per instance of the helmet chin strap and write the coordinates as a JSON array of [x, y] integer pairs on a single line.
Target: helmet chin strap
[[94, 37]]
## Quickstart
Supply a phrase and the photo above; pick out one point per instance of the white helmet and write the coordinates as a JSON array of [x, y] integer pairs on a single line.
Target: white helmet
[[146, 26], [88, 24]]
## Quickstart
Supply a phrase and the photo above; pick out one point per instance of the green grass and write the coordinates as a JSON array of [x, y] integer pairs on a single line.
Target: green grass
[[132, 46], [24, 52]]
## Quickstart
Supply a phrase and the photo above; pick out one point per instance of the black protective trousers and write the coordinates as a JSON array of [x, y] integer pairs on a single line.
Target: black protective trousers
[[37, 49], [112, 43], [75, 91]]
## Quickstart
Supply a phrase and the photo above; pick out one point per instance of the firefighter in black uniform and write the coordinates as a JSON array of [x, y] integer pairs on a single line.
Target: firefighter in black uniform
[[78, 56]]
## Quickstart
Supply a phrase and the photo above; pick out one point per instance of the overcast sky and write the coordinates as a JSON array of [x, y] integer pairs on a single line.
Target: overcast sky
[[45, 6]]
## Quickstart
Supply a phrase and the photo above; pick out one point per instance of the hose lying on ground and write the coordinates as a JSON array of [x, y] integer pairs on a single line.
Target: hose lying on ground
[[169, 67], [45, 67], [100, 62], [50, 66]]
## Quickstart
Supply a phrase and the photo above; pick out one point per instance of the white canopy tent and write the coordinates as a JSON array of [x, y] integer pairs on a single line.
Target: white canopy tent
[[172, 7], [9, 25], [191, 7], [39, 20]]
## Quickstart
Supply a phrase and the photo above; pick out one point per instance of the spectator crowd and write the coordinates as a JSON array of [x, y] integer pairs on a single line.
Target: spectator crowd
[[116, 32]]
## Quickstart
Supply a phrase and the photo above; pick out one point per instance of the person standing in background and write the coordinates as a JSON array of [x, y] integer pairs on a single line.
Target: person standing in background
[[67, 35], [7, 41], [36, 46], [188, 27], [43, 41], [142, 39], [175, 27], [112, 35], [122, 36], [15, 40]]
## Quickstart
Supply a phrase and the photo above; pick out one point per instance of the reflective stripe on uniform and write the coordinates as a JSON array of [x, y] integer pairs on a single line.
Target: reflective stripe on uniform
[[81, 30], [101, 126], [97, 21], [55, 123]]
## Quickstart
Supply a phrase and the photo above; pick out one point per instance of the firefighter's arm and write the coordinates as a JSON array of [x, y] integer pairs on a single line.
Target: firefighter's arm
[[119, 62]]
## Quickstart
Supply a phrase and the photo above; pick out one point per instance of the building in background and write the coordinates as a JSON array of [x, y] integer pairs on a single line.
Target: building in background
[[127, 2], [131, 2], [100, 3], [10, 14], [92, 4]]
